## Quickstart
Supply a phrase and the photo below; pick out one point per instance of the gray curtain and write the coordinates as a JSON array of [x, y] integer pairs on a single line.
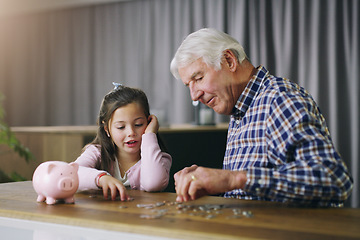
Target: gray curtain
[[55, 66]]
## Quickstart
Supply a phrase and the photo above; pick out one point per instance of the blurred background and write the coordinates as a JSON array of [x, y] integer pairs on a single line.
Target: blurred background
[[58, 58]]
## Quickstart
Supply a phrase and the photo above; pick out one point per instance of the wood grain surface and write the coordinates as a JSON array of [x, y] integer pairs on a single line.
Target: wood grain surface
[[268, 220]]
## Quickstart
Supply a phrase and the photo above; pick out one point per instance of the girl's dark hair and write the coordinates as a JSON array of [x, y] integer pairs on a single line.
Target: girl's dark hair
[[119, 97]]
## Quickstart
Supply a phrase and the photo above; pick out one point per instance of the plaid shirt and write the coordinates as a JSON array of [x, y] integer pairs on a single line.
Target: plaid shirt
[[279, 137]]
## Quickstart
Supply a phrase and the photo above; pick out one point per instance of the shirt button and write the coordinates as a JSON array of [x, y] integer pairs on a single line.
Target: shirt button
[[237, 121]]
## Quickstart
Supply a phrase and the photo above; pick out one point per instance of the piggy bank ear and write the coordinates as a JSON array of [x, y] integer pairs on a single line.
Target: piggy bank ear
[[50, 167], [74, 165]]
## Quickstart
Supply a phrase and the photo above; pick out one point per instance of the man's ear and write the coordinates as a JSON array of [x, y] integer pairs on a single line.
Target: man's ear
[[230, 60]]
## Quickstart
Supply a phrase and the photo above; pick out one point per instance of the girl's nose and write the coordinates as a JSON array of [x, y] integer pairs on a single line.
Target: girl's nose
[[131, 131]]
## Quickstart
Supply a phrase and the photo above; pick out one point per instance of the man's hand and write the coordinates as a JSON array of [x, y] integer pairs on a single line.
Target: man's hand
[[194, 182], [115, 186]]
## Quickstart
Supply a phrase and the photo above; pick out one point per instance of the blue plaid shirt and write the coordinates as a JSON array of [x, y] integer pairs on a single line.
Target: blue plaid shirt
[[279, 137]]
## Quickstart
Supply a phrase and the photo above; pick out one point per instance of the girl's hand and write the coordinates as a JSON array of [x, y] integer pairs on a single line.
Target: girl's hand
[[153, 125], [115, 186]]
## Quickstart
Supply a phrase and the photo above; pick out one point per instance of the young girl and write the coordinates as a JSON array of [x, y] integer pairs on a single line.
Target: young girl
[[125, 151]]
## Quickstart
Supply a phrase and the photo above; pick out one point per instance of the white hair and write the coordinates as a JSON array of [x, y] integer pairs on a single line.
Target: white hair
[[208, 44]]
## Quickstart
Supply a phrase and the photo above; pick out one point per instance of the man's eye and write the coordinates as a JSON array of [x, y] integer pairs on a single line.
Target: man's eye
[[194, 80], [198, 79]]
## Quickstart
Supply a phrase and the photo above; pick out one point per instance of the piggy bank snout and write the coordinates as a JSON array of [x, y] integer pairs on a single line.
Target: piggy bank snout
[[67, 184]]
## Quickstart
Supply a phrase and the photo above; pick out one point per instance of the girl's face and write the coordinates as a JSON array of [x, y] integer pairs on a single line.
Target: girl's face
[[126, 127]]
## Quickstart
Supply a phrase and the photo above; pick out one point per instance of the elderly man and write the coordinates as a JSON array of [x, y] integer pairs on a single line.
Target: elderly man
[[278, 145]]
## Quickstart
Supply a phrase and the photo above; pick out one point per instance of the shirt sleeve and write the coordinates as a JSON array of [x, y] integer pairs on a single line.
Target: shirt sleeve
[[305, 165], [87, 172], [155, 165]]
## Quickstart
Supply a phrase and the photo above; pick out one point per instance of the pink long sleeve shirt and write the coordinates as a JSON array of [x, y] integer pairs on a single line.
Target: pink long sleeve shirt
[[150, 173]]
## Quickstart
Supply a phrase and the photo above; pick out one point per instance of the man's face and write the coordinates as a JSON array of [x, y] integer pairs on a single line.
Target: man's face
[[210, 87]]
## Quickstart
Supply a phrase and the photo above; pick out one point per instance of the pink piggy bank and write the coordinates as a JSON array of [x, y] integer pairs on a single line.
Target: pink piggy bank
[[55, 180]]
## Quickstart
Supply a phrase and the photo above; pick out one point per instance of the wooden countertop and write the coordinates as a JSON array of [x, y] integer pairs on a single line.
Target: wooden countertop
[[268, 221]]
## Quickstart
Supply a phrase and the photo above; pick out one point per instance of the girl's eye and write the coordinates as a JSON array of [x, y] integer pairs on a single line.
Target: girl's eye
[[121, 127], [139, 125]]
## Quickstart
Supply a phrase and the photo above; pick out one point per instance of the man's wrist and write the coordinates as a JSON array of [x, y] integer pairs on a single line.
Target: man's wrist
[[239, 180]]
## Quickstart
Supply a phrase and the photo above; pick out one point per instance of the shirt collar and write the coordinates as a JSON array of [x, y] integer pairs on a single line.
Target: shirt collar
[[250, 91]]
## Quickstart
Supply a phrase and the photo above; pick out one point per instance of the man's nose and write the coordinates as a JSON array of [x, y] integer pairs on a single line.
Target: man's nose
[[195, 93]]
